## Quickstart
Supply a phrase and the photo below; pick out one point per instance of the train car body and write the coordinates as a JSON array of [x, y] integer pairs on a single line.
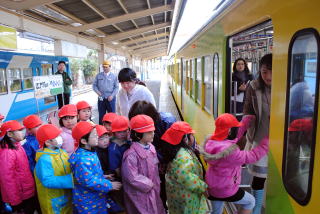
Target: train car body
[[17, 95], [200, 79]]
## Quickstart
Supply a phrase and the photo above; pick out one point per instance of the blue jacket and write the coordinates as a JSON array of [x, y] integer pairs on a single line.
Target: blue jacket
[[31, 147], [90, 187], [54, 181]]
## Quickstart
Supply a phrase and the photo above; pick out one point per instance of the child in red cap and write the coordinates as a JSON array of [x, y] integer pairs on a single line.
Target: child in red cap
[[102, 148], [31, 123], [225, 160], [68, 119], [52, 172], [1, 119], [84, 111], [107, 121], [140, 175], [185, 186], [91, 186], [16, 181], [119, 144]]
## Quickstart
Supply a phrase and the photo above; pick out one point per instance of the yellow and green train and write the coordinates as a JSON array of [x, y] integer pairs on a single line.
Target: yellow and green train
[[200, 80]]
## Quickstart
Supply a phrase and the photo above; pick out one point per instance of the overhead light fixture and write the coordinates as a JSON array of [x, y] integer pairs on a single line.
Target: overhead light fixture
[[100, 35], [91, 31], [115, 43], [76, 24]]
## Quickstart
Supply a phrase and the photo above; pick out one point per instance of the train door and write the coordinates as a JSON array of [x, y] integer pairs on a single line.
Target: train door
[[250, 45]]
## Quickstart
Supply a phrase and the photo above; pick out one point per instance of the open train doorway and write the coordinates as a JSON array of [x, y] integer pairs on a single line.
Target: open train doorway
[[245, 49]]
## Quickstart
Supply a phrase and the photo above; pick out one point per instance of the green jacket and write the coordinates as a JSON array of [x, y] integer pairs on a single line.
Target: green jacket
[[67, 81], [185, 186]]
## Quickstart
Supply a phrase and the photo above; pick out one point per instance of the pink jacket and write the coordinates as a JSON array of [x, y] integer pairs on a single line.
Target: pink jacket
[[16, 181], [141, 181], [225, 159], [68, 141]]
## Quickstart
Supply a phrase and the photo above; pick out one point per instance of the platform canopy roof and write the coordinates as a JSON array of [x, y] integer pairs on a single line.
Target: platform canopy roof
[[141, 27]]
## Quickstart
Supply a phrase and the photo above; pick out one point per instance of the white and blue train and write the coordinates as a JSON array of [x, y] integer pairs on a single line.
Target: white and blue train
[[17, 98]]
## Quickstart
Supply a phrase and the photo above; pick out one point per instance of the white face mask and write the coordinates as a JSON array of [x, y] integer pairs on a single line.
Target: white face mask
[[59, 141]]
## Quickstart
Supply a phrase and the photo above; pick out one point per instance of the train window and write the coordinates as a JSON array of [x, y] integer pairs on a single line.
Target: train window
[[184, 81], [27, 78], [198, 81], [38, 71], [191, 77], [187, 76], [14, 79], [208, 80], [3, 83], [301, 114], [215, 84], [46, 69]]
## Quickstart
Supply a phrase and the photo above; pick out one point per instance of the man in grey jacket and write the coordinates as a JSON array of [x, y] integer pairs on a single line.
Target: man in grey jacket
[[106, 86]]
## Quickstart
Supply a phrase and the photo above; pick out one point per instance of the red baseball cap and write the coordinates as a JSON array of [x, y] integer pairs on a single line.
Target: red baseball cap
[[120, 123], [31, 121], [174, 134], [101, 130], [82, 105], [1, 117], [68, 110], [304, 124], [223, 123], [142, 123], [11, 125], [81, 129], [47, 132], [109, 117]]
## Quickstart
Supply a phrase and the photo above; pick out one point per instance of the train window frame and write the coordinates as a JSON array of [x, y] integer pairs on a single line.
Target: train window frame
[[24, 79], [11, 79], [208, 80], [215, 84], [192, 64], [303, 32], [4, 80], [198, 77]]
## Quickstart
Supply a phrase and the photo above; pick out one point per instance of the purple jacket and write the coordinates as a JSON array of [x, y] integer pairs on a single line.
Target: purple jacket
[[68, 141], [225, 159], [141, 181]]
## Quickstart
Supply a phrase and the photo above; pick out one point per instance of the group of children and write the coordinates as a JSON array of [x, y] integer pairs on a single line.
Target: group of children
[[81, 167]]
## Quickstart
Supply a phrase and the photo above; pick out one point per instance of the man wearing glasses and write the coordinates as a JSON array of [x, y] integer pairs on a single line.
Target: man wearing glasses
[[106, 86]]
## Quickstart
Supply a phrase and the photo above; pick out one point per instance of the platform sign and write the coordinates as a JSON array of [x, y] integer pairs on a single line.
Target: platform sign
[[46, 86]]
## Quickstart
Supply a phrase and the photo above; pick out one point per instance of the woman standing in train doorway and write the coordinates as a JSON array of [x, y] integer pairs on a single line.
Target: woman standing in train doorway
[[257, 103], [241, 75]]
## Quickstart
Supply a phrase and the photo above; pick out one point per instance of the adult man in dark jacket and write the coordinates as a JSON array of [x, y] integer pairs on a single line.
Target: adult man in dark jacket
[[67, 82]]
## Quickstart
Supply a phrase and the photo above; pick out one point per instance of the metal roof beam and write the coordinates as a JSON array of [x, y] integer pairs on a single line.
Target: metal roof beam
[[127, 34], [154, 56], [126, 11], [74, 18], [146, 45], [149, 54], [151, 49], [122, 18], [25, 5], [95, 9], [145, 38]]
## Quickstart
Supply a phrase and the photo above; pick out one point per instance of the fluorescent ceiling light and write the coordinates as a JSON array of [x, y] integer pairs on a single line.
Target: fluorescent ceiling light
[[115, 43], [196, 14]]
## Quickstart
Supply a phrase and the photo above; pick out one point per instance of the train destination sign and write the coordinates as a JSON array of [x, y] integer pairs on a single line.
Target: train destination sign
[[46, 86]]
